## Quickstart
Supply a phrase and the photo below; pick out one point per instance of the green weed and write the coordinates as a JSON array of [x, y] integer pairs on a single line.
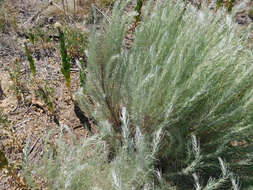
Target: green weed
[[251, 12], [227, 3], [46, 94], [31, 37], [3, 161], [76, 42], [31, 61], [66, 65], [138, 10], [38, 35]]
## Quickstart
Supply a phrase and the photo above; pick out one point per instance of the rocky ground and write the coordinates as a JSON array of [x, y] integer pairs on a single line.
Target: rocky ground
[[29, 117], [25, 116]]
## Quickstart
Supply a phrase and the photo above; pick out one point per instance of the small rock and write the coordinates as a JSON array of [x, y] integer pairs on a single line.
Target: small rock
[[50, 20]]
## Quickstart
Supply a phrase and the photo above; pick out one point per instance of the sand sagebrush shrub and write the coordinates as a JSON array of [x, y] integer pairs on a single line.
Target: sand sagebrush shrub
[[188, 72], [83, 164]]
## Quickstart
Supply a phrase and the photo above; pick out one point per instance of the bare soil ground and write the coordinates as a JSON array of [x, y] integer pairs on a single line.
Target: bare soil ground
[[29, 119]]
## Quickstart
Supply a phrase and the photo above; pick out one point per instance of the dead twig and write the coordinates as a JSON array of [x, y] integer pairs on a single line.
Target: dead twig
[[100, 11], [33, 146]]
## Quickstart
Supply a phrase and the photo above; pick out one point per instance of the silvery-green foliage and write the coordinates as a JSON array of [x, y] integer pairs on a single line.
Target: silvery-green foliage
[[226, 177], [189, 72], [72, 164]]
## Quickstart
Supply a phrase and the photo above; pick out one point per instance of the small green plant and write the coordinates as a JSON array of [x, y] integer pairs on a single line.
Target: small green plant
[[66, 65], [76, 42], [3, 160], [31, 37], [227, 3], [31, 61], [38, 34], [138, 10], [251, 12], [11, 172], [46, 94]]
